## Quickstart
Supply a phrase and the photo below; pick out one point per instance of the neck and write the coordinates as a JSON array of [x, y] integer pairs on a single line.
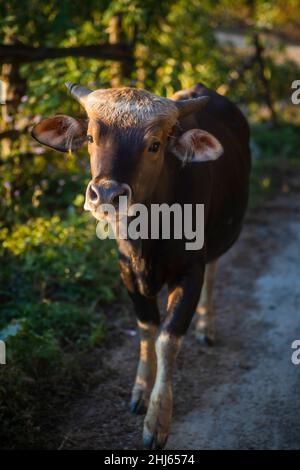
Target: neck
[[164, 193]]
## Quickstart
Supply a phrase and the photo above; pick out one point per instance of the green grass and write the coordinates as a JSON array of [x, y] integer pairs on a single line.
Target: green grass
[[53, 272], [56, 281]]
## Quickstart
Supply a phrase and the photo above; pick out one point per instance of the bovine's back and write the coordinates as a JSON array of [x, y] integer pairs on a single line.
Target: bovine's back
[[222, 185], [221, 109]]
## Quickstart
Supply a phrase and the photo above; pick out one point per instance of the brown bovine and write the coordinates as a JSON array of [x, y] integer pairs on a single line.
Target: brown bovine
[[191, 149]]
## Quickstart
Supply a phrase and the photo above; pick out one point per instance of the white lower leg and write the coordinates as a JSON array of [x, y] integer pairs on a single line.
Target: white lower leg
[[158, 419], [146, 370], [205, 322]]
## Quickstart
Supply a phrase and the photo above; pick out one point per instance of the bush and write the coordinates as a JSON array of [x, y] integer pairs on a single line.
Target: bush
[[54, 271], [275, 152]]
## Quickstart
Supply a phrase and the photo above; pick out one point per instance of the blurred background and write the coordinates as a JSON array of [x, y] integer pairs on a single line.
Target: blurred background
[[57, 280]]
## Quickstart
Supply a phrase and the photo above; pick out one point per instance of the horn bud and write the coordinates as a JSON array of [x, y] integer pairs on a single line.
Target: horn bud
[[80, 93], [190, 106]]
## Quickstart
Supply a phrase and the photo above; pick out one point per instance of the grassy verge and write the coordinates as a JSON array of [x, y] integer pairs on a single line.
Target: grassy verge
[[56, 278]]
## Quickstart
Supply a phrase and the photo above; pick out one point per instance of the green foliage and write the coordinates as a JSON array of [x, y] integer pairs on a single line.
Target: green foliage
[[54, 271], [56, 258], [282, 142], [275, 153], [48, 263]]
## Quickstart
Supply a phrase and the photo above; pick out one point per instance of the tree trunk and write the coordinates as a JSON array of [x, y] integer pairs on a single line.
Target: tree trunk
[[14, 89], [264, 80], [121, 70]]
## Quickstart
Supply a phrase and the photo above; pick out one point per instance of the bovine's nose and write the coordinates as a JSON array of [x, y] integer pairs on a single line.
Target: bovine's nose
[[93, 195], [107, 192]]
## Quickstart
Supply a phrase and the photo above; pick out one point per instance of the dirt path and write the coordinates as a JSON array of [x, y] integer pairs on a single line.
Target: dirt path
[[244, 392]]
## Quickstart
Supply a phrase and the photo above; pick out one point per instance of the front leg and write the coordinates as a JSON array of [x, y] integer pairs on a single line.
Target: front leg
[[182, 301], [148, 320]]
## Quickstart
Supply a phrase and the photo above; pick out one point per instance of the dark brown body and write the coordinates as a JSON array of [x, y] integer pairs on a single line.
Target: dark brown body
[[222, 186]]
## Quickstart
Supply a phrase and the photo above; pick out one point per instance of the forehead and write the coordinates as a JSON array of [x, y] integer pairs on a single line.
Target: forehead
[[129, 107]]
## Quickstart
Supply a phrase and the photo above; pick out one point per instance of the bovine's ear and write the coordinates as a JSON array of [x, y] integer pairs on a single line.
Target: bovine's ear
[[197, 145], [62, 133]]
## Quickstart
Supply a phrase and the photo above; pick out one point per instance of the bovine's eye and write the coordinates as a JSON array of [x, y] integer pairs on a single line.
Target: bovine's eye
[[154, 147], [90, 139]]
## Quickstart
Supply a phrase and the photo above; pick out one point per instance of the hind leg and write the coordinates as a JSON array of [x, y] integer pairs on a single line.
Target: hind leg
[[205, 322]]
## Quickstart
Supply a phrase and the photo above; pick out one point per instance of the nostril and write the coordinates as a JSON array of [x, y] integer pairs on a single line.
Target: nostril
[[94, 194], [117, 195]]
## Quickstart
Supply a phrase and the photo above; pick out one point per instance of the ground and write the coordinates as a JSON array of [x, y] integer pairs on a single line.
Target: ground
[[244, 392]]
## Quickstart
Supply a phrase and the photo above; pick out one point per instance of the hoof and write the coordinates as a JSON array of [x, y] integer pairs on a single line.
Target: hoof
[[154, 441], [138, 406], [205, 340], [139, 401]]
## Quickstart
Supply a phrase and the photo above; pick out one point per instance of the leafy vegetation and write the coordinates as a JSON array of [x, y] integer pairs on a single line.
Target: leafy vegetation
[[275, 156], [56, 280], [56, 277]]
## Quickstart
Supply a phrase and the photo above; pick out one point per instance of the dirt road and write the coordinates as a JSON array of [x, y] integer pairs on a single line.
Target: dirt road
[[244, 392]]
